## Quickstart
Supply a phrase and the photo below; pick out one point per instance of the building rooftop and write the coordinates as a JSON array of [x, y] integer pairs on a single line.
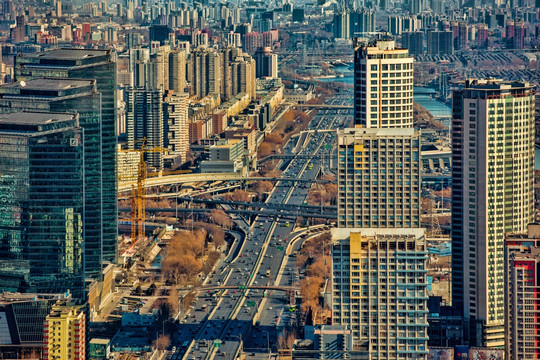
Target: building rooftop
[[33, 118], [228, 143], [68, 54], [495, 84], [344, 233], [100, 341], [531, 254], [9, 297], [48, 84]]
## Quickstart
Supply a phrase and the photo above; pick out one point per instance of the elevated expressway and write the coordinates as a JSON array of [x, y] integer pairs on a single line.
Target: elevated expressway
[[168, 180]]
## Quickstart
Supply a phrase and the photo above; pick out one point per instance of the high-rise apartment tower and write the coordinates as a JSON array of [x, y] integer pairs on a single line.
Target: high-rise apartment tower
[[378, 178], [492, 194], [383, 85], [380, 290]]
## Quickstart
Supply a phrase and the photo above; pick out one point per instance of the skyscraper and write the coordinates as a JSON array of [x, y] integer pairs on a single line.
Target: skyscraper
[[144, 120], [379, 234], [177, 70], [383, 85], [492, 194], [519, 35], [238, 71], [459, 31], [482, 36], [71, 96], [266, 62], [176, 124], [159, 33], [439, 42], [341, 25], [361, 22], [101, 66], [378, 178], [138, 66], [509, 34], [204, 72], [414, 41], [243, 79], [234, 40], [42, 202], [380, 290]]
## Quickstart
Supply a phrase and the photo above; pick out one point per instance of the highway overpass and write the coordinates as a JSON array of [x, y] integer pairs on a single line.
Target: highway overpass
[[201, 177]]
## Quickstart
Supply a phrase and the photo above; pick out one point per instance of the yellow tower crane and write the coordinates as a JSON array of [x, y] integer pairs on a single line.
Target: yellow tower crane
[[138, 193]]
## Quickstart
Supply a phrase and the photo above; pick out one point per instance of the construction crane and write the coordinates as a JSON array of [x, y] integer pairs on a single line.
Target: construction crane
[[138, 193]]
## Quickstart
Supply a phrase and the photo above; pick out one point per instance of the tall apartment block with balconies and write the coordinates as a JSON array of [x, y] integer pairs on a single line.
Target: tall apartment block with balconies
[[522, 284], [492, 195], [378, 178], [383, 85], [380, 290]]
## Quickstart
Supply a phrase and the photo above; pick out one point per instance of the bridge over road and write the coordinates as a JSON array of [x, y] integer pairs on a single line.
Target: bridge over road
[[166, 180], [323, 106], [251, 287], [297, 213]]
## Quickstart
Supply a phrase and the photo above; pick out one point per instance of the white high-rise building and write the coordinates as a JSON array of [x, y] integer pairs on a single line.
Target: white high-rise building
[[492, 195], [383, 85], [176, 124]]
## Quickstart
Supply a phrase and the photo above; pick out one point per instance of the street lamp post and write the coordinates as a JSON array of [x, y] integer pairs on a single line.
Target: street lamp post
[[176, 204], [239, 337]]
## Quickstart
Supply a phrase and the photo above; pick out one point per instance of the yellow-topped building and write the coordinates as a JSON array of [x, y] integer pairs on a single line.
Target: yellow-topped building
[[64, 332]]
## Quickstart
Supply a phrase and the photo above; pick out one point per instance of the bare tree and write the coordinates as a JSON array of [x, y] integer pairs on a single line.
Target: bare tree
[[162, 342], [219, 217], [173, 300]]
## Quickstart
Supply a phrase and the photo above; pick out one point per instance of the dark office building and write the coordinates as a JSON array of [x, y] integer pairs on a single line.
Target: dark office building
[[439, 43], [445, 324], [73, 96], [144, 120], [361, 21], [42, 202], [298, 15], [266, 63], [101, 66], [270, 15], [159, 33], [414, 41]]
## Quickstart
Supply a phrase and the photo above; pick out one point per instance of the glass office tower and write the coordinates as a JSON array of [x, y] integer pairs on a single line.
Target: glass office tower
[[41, 203], [74, 96], [101, 66]]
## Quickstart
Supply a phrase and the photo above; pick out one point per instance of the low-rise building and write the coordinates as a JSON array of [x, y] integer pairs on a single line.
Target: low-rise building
[[99, 349], [299, 95], [138, 319], [333, 341], [226, 157], [21, 323]]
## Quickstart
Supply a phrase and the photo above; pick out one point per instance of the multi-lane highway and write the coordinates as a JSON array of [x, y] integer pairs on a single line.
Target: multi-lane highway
[[226, 321]]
